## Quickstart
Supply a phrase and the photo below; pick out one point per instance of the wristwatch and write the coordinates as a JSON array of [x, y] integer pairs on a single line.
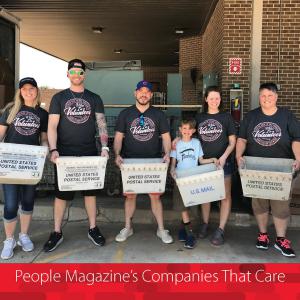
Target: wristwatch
[[105, 148]]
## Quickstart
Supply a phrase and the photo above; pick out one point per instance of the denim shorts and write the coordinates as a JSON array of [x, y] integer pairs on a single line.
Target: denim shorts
[[15, 195], [228, 168]]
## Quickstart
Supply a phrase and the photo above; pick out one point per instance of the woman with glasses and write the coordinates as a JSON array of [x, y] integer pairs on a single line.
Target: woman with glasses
[[22, 122]]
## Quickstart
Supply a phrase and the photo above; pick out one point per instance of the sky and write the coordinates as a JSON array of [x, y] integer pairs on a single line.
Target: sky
[[47, 70]]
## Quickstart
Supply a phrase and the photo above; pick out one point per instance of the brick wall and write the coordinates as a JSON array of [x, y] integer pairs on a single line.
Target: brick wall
[[236, 43], [280, 50], [212, 57], [228, 34], [190, 58]]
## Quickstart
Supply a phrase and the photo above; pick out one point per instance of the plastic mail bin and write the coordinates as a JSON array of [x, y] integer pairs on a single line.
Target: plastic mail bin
[[21, 164], [267, 178], [81, 173], [144, 175], [201, 184]]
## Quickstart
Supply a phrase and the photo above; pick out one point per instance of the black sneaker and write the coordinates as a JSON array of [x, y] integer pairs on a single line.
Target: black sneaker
[[55, 239], [190, 242], [263, 241], [284, 246], [96, 237], [217, 238], [182, 235]]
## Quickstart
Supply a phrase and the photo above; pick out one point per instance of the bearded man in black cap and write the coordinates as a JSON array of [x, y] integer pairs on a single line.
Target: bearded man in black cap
[[71, 131]]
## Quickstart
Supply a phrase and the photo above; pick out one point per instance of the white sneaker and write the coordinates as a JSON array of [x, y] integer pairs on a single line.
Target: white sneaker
[[124, 234], [8, 249], [25, 242], [164, 236]]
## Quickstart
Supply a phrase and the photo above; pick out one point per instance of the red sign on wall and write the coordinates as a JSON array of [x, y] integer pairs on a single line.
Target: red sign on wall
[[235, 66]]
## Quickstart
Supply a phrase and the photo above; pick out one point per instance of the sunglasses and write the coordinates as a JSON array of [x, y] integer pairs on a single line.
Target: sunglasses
[[73, 72], [141, 120]]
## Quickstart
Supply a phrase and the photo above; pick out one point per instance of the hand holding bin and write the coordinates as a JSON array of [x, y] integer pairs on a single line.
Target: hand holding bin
[[267, 178], [81, 173], [201, 184], [21, 164], [144, 175]]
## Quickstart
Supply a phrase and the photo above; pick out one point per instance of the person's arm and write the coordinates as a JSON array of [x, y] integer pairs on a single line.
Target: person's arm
[[52, 136], [118, 141], [166, 141], [296, 151], [203, 161], [240, 149], [3, 130], [229, 149], [172, 169], [101, 123]]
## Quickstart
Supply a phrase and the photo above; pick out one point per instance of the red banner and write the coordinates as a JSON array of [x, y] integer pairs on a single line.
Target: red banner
[[149, 281]]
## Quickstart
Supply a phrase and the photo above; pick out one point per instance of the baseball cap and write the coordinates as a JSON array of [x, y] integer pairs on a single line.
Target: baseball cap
[[76, 63], [144, 83], [26, 80]]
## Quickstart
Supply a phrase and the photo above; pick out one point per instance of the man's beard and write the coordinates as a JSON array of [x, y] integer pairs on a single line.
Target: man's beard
[[77, 83], [143, 103]]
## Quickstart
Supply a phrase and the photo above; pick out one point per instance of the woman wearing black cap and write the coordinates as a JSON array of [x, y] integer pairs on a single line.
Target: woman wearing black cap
[[23, 121]]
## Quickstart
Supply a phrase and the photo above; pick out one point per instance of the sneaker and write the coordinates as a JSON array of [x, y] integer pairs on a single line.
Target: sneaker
[[182, 235], [8, 249], [55, 239], [203, 231], [96, 237], [25, 242], [263, 241], [284, 246], [190, 242], [217, 238], [164, 235], [124, 234]]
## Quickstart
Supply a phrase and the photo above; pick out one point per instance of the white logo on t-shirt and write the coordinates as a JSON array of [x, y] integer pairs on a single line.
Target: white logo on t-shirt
[[142, 133], [210, 130], [26, 123], [77, 110], [266, 134]]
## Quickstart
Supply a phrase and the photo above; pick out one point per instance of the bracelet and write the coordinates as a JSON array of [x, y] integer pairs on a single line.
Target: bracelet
[[52, 150], [105, 148]]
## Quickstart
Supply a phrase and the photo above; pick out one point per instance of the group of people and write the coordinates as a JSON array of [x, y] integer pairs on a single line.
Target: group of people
[[142, 131]]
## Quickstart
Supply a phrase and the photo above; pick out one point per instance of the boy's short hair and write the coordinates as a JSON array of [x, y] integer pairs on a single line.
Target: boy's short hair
[[190, 122]]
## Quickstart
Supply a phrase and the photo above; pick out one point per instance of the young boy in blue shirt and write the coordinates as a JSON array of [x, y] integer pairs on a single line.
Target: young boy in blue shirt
[[188, 154]]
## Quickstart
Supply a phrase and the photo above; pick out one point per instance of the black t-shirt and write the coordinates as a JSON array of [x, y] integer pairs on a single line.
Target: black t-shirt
[[213, 131], [77, 124], [27, 125], [270, 136], [142, 132]]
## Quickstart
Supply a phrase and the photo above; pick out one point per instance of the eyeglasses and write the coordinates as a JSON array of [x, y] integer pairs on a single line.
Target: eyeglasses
[[73, 72], [141, 120]]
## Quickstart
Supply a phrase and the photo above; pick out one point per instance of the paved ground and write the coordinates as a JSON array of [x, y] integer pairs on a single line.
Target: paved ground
[[145, 247]]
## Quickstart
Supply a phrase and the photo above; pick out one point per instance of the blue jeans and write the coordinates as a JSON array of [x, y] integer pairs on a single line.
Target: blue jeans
[[14, 195]]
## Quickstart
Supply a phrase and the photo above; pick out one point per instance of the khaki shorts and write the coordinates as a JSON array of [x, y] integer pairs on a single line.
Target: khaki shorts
[[279, 209]]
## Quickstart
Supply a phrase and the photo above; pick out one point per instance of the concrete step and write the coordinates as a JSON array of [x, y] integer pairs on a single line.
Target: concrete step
[[110, 210]]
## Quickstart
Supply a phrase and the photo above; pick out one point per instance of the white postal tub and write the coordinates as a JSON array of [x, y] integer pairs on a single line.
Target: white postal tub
[[144, 175], [81, 173], [21, 164], [267, 178], [201, 184]]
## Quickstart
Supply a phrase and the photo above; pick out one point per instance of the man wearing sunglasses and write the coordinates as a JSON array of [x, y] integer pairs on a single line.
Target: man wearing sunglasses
[[138, 132], [73, 114]]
